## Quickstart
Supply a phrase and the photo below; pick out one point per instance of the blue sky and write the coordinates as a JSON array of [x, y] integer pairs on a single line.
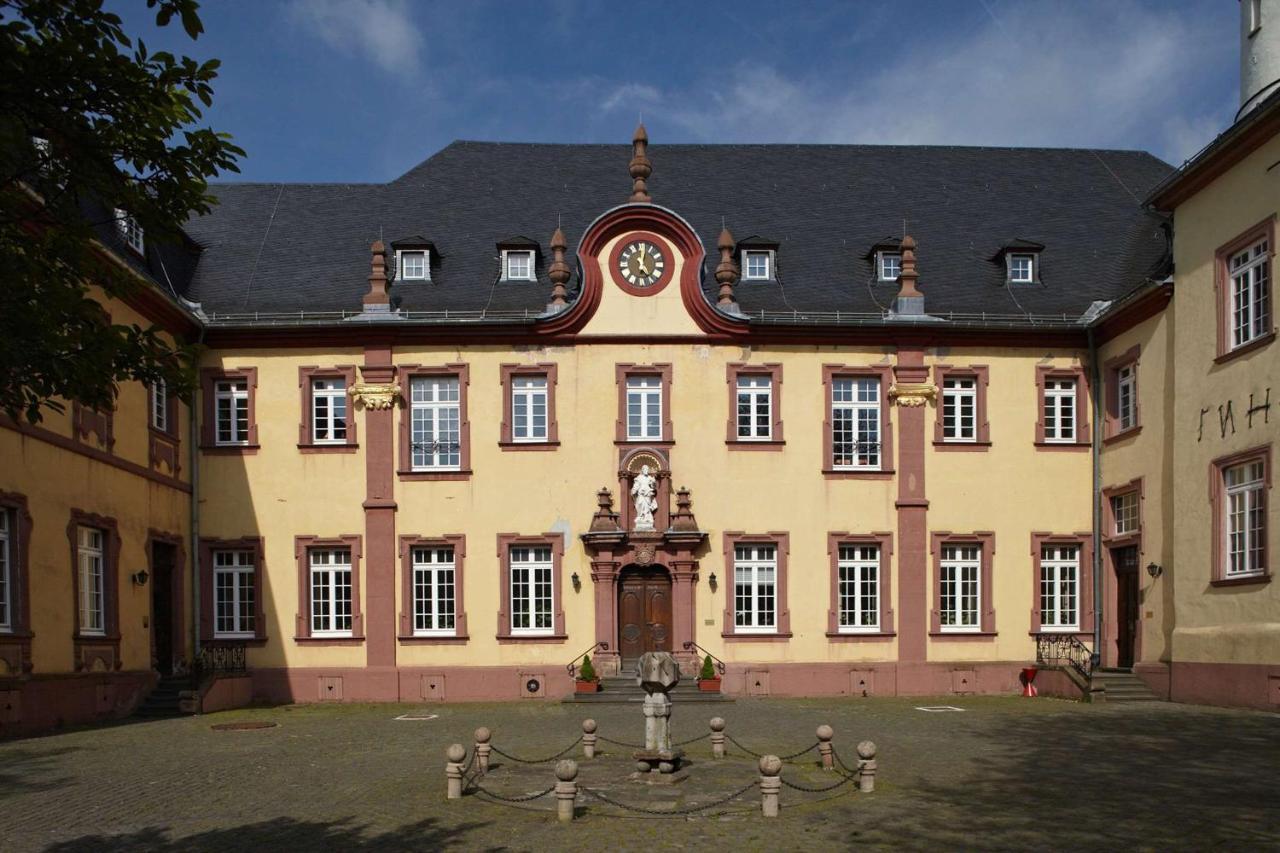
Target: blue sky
[[361, 90]]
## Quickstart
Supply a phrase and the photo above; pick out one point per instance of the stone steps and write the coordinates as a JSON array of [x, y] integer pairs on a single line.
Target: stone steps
[[1121, 685], [623, 690]]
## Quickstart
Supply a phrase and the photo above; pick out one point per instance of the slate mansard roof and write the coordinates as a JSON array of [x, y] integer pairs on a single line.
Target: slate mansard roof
[[305, 247]]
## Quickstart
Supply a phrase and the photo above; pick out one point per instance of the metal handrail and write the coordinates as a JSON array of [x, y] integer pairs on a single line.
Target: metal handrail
[[572, 666], [690, 645], [1066, 648]]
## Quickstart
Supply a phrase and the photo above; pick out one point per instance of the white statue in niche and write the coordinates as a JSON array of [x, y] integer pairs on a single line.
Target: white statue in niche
[[644, 490]]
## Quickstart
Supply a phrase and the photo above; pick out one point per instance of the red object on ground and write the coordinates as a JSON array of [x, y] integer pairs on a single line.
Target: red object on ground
[[587, 687], [709, 685], [1028, 677]]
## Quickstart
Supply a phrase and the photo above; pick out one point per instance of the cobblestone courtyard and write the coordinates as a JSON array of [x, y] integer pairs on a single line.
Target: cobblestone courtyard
[[1004, 773]]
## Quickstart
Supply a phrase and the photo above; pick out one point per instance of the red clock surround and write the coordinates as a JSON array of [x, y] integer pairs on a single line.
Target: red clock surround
[[615, 258]]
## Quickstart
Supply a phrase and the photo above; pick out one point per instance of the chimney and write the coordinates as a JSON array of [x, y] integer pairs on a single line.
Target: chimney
[[559, 273], [640, 167], [377, 299], [726, 272], [1259, 52], [910, 301]]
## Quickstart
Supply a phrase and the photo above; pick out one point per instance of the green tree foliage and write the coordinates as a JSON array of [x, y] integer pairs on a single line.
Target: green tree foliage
[[586, 672], [708, 669], [119, 130]]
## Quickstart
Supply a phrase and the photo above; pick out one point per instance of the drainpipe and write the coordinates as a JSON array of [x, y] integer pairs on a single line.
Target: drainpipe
[[193, 465], [1095, 454]]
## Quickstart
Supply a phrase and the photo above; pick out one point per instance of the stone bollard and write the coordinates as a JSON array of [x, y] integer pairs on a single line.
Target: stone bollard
[[717, 737], [588, 738], [867, 766], [456, 754], [770, 784], [566, 788], [483, 748], [825, 734]]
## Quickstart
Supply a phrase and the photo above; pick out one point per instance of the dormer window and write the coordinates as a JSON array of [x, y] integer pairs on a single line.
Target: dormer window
[[888, 266], [757, 265], [1022, 268], [517, 265], [414, 264], [130, 231]]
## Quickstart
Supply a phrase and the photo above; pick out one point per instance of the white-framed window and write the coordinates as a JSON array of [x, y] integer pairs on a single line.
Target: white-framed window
[[859, 588], [434, 598], [1022, 268], [413, 264], [435, 411], [1060, 410], [855, 423], [91, 556], [517, 265], [1246, 522], [1124, 509], [960, 409], [529, 409], [757, 264], [231, 411], [644, 408], [1127, 397], [329, 410], [1250, 271], [160, 405], [330, 591], [234, 606], [888, 266], [531, 590], [755, 408], [6, 569], [961, 593], [755, 589], [1059, 587], [130, 231]]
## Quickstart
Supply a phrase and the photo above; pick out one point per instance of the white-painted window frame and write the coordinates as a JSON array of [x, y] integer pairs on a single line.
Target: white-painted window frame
[[884, 273], [1250, 272], [239, 594], [332, 614], [856, 423], [91, 546], [1126, 397], [857, 580], [329, 393], [1015, 260], [1125, 515], [160, 405], [960, 409], [435, 590], [401, 268], [755, 588], [532, 594], [960, 576], [748, 255], [530, 401], [1059, 583], [1245, 524], [644, 407], [1060, 411], [510, 257], [754, 407], [439, 413], [231, 412], [130, 231]]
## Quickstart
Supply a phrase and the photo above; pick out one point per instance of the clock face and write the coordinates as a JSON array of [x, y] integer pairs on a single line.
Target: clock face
[[641, 263]]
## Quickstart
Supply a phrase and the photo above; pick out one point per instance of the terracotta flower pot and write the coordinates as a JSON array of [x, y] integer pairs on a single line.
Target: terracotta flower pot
[[587, 686], [709, 685]]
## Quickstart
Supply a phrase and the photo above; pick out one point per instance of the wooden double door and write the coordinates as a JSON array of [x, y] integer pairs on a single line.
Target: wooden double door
[[1125, 561], [644, 612]]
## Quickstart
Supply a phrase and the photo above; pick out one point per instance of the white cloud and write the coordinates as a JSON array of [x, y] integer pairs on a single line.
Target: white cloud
[[1102, 73], [383, 31]]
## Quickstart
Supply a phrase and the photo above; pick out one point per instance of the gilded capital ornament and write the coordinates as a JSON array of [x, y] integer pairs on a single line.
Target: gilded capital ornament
[[376, 396], [913, 393]]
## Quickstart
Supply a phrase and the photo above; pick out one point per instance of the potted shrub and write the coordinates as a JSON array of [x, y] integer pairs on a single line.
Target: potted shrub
[[587, 680], [708, 680]]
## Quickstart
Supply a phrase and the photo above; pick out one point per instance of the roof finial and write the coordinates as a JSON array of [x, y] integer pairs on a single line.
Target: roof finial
[[558, 272], [726, 270], [641, 168], [377, 294], [909, 275]]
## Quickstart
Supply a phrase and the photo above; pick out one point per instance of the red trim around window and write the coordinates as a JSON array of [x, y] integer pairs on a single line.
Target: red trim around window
[[302, 546], [256, 546], [782, 545], [1222, 289], [456, 541], [776, 441], [93, 648], [555, 542], [980, 373], [163, 445], [884, 592], [1109, 536], [409, 372], [1083, 435], [15, 643], [1217, 501], [306, 442], [506, 373], [884, 373], [209, 376], [1084, 580], [621, 373], [1111, 430], [986, 540]]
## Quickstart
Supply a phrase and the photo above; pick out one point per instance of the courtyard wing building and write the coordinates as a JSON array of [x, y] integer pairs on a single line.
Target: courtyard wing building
[[853, 420]]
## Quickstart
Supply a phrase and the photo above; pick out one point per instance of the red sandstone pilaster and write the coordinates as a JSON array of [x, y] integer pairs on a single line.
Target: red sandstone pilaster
[[379, 517], [912, 505]]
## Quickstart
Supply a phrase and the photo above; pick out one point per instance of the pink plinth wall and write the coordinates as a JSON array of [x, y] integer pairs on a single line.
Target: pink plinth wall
[[1155, 676], [1055, 682], [412, 684], [1229, 684], [43, 703], [225, 692], [872, 679]]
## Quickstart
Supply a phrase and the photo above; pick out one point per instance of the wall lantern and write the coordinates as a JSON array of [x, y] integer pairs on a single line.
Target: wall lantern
[[577, 582], [712, 580], [1155, 570], [139, 577]]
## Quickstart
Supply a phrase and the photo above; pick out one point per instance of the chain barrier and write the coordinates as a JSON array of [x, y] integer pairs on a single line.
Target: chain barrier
[[734, 741], [692, 740], [844, 780], [480, 789], [620, 742], [847, 769], [667, 812], [559, 754]]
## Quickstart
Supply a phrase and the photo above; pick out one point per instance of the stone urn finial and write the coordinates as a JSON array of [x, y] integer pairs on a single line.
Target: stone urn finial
[[640, 166]]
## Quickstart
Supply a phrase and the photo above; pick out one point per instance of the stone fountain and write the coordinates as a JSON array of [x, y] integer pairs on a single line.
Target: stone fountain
[[657, 673]]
